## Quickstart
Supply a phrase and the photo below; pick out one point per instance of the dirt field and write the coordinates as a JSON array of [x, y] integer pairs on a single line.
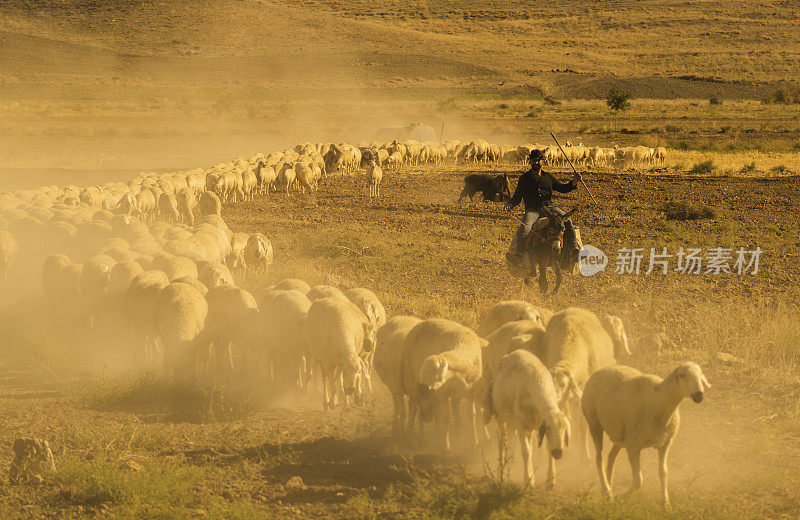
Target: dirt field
[[99, 91], [129, 447]]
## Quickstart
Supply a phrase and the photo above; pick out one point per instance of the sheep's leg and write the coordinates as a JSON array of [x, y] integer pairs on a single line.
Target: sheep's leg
[[525, 446], [455, 406], [612, 457], [583, 429], [636, 469], [326, 383], [472, 410], [502, 448], [413, 409], [399, 412], [597, 437], [444, 414], [663, 452], [551, 473]]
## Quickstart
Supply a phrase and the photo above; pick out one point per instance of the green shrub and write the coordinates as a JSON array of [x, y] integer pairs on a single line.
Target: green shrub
[[679, 210], [618, 100], [748, 168], [703, 168], [779, 169], [714, 100], [786, 94]]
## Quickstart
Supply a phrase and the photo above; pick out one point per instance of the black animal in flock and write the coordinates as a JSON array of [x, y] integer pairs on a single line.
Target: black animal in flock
[[495, 188]]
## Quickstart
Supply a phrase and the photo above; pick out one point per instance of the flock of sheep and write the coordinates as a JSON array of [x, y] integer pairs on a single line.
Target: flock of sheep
[[155, 258], [536, 373], [395, 154]]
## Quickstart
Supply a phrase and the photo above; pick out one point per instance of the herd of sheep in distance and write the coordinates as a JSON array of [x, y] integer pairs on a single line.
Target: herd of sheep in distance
[[155, 258]]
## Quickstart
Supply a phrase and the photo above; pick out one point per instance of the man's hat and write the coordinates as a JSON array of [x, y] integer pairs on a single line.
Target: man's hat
[[536, 155]]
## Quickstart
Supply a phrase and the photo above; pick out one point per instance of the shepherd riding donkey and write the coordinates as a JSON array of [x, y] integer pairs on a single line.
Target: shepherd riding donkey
[[545, 236]]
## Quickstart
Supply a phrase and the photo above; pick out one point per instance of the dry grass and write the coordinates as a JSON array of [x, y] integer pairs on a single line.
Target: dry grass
[[97, 91]]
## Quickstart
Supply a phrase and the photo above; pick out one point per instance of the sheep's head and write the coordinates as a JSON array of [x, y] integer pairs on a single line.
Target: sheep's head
[[370, 336], [565, 386], [434, 372], [615, 329], [556, 428], [691, 381], [235, 261], [351, 377]]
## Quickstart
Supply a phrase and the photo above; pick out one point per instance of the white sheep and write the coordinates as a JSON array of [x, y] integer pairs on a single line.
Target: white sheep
[[168, 208], [523, 397], [95, 277], [141, 303], [616, 331], [374, 176], [387, 358], [232, 319], [194, 282], [175, 266], [282, 316], [638, 411], [293, 284], [258, 254], [369, 304], [511, 336], [186, 201], [181, 312], [286, 177], [319, 292], [441, 361], [52, 270], [511, 310], [8, 253], [575, 345], [209, 204], [213, 274], [337, 332]]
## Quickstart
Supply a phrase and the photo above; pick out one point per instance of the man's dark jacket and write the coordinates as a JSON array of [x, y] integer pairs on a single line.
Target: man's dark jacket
[[538, 192]]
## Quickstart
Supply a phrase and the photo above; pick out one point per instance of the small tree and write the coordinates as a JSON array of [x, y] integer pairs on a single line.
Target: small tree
[[618, 100]]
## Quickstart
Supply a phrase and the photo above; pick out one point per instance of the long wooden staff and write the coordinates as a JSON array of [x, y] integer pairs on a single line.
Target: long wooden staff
[[573, 166]]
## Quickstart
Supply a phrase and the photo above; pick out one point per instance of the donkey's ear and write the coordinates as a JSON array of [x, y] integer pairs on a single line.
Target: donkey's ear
[[570, 212]]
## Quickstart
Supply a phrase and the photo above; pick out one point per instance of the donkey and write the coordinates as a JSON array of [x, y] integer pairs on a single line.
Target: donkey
[[545, 243]]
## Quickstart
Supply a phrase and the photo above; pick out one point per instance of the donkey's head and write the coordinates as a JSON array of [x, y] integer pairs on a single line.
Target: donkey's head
[[553, 233]]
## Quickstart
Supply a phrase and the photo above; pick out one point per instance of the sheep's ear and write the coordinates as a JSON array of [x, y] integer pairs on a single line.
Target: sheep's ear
[[574, 387], [541, 433], [626, 343], [705, 381]]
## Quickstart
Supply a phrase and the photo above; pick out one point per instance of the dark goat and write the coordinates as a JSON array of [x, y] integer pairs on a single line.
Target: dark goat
[[493, 188]]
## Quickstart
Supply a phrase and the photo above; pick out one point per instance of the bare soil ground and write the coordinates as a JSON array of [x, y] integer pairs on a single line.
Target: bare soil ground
[[129, 446], [96, 91]]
